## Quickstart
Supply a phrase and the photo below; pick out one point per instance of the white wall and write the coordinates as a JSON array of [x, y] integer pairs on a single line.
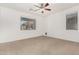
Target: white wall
[[54, 24], [57, 25], [10, 25]]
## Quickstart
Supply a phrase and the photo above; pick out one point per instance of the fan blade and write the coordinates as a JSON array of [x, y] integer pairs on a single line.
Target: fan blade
[[42, 5], [37, 6], [36, 9], [47, 4], [48, 9]]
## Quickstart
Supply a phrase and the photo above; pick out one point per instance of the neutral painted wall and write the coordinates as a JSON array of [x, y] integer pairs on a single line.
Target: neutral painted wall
[[54, 24], [57, 25], [10, 25]]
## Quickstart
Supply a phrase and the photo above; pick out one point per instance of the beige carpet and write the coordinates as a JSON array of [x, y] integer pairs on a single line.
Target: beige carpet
[[39, 45]]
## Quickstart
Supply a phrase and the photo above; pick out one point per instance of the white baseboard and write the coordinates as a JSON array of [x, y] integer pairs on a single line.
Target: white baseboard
[[63, 38], [19, 38]]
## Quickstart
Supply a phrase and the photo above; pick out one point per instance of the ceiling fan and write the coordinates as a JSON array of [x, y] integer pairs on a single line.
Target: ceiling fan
[[43, 7]]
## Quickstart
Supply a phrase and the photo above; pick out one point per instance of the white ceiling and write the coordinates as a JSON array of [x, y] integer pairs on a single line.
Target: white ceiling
[[57, 7]]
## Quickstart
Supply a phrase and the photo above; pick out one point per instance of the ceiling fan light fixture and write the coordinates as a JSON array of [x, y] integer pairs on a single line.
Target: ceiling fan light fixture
[[43, 7], [42, 11]]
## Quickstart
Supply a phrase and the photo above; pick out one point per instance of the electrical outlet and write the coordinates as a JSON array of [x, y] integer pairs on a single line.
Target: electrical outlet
[[45, 33]]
